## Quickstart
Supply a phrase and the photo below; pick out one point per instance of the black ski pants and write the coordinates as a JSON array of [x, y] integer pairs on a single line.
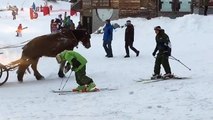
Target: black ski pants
[[164, 60]]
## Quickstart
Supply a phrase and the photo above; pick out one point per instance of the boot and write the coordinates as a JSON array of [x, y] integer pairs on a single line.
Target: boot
[[80, 88], [91, 87], [126, 56], [156, 76], [167, 76], [137, 53]]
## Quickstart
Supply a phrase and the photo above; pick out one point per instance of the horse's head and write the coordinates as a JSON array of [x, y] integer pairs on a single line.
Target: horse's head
[[83, 36]]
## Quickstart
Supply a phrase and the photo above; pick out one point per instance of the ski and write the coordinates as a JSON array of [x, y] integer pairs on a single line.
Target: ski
[[161, 79], [70, 91]]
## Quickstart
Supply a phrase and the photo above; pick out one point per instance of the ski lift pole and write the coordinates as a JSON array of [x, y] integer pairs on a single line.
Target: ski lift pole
[[180, 62]]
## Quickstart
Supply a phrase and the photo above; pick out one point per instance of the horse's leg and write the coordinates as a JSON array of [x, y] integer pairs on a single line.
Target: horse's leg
[[35, 70], [24, 64], [61, 68]]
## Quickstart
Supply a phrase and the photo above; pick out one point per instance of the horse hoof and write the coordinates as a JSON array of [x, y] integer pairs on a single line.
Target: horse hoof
[[20, 81], [39, 77]]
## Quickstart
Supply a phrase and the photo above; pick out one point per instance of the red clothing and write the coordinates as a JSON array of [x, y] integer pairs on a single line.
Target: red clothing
[[19, 29]]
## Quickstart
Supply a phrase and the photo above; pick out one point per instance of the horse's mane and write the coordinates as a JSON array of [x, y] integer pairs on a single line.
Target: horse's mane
[[79, 33]]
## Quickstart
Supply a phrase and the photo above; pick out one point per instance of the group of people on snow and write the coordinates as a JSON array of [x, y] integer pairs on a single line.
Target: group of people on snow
[[129, 39], [67, 23], [163, 47], [77, 62]]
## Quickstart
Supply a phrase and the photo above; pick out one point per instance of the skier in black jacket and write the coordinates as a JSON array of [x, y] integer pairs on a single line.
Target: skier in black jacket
[[163, 47]]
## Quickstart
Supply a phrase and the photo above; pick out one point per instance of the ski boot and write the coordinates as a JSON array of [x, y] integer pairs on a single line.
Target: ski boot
[[91, 87], [168, 76], [81, 88], [156, 76]]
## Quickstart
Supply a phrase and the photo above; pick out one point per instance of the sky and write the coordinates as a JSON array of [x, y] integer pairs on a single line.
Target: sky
[[190, 99]]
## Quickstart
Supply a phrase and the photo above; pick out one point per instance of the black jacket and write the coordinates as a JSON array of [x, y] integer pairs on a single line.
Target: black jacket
[[129, 34], [163, 44]]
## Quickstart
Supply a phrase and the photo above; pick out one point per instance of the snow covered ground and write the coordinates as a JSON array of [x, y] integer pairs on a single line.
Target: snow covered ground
[[191, 37]]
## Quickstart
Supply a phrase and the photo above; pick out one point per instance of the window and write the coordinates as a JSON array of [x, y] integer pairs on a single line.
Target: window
[[166, 5], [185, 6]]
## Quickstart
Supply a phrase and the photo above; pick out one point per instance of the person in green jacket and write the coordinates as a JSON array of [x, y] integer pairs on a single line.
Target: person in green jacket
[[78, 65]]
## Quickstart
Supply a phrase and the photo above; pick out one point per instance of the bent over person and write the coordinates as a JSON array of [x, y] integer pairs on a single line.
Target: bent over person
[[78, 65], [163, 46]]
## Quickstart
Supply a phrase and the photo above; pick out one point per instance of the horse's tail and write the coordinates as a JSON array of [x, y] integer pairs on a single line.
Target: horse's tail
[[15, 64], [24, 60]]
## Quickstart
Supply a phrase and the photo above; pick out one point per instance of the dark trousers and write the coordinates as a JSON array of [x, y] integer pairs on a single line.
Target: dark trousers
[[127, 45], [81, 77], [205, 10], [164, 60], [108, 48]]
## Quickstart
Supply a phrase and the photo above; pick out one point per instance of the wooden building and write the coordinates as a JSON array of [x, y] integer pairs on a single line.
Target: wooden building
[[93, 13]]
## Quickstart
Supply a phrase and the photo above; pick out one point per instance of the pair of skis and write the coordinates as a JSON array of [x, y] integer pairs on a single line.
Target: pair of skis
[[161, 79], [64, 92]]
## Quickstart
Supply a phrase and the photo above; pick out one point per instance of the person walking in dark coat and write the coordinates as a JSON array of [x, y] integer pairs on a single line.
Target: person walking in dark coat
[[107, 38], [163, 46], [129, 39]]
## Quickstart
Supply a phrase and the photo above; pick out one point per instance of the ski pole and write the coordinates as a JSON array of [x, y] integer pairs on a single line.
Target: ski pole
[[173, 58], [62, 65], [66, 80], [61, 84]]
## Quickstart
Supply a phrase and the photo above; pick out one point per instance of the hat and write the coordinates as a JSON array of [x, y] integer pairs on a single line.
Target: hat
[[108, 20], [157, 28]]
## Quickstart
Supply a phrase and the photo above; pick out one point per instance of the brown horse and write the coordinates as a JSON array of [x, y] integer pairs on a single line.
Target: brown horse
[[49, 45]]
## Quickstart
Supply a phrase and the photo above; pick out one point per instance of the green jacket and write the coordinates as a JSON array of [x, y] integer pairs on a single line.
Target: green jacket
[[74, 58]]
